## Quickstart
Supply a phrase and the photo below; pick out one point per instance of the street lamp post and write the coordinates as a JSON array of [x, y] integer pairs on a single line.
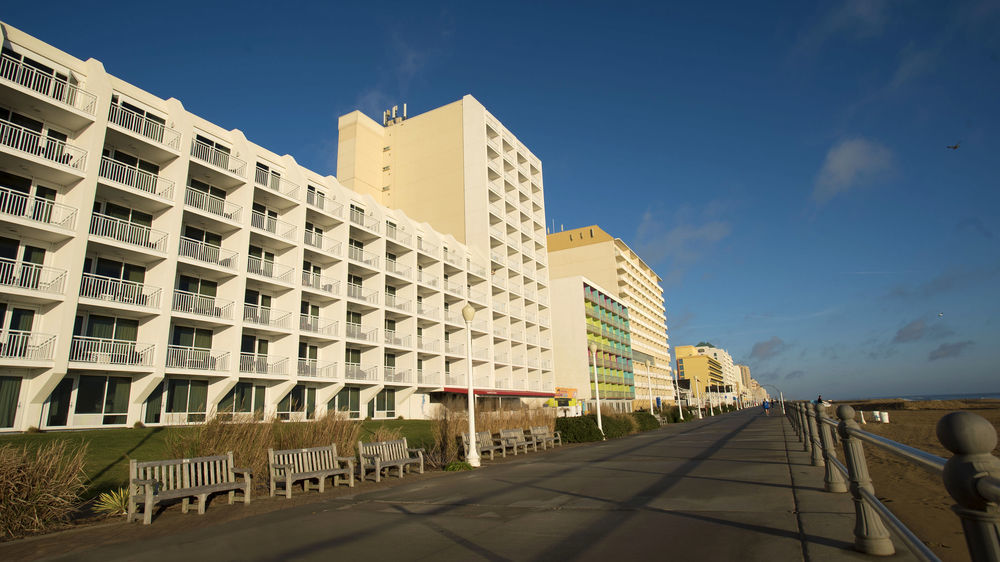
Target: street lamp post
[[597, 387], [472, 455], [698, 395], [711, 405], [649, 382], [677, 397]]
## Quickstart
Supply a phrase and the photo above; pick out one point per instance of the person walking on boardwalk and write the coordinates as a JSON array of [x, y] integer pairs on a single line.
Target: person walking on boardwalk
[[767, 407]]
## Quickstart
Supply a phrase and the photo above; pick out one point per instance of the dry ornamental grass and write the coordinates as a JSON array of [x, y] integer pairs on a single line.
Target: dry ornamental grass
[[39, 488]]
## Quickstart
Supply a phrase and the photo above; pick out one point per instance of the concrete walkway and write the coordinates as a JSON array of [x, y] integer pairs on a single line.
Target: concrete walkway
[[724, 488]]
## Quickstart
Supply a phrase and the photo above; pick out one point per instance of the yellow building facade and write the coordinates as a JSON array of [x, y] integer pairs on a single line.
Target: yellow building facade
[[704, 372]]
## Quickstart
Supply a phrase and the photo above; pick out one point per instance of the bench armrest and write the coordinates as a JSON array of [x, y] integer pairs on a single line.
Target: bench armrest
[[417, 450], [343, 459], [139, 482], [240, 470], [372, 456], [557, 433], [276, 465]]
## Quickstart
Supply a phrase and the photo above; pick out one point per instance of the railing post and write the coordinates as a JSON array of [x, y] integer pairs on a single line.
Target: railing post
[[972, 439], [812, 414], [833, 480], [806, 444], [870, 534]]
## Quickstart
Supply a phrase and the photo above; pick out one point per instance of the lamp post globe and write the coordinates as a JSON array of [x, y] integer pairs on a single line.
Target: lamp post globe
[[472, 455]]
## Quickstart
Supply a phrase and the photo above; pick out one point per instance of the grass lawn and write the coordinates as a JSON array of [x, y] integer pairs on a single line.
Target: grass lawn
[[109, 450]]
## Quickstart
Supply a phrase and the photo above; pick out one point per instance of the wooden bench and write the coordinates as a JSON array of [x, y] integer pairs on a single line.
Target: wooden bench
[[151, 482], [484, 443], [315, 463], [383, 455], [547, 438], [515, 439]]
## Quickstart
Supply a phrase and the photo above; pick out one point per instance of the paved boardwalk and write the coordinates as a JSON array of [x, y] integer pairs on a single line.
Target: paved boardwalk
[[723, 488]]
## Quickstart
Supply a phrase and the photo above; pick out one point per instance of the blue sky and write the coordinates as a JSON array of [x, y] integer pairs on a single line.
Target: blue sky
[[783, 167]]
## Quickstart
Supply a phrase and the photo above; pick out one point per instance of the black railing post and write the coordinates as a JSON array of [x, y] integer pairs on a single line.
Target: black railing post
[[833, 480], [812, 414], [972, 477], [870, 534]]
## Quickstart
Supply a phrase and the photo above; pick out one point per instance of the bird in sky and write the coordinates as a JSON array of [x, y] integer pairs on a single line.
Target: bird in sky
[[940, 314], [954, 146]]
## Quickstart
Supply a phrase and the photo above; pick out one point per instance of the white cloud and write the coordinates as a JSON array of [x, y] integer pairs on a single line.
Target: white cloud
[[680, 243], [850, 164], [854, 18]]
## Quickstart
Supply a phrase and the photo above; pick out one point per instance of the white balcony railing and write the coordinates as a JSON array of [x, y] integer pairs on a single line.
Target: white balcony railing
[[208, 253], [26, 141], [360, 218], [320, 283], [264, 316], [21, 205], [269, 269], [202, 305], [144, 126], [426, 345], [432, 378], [357, 292], [274, 182], [500, 306], [32, 277], [141, 180], [13, 70], [455, 287], [353, 371], [426, 247], [456, 379], [322, 242], [392, 301], [272, 225], [196, 358], [476, 269], [126, 232], [394, 267], [356, 332], [453, 258], [218, 158], [396, 234], [397, 375], [316, 368], [497, 257], [427, 279], [119, 291], [361, 256], [212, 204], [317, 325], [500, 331], [424, 310], [102, 351], [454, 348], [262, 364], [26, 346], [394, 339]]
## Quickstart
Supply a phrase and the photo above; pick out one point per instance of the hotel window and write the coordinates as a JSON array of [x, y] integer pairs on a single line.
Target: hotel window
[[348, 400], [136, 119], [315, 197], [107, 396], [186, 396], [268, 177], [244, 398]]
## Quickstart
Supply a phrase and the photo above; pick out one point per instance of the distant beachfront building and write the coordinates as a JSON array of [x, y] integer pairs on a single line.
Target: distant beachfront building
[[609, 262], [731, 376], [703, 373]]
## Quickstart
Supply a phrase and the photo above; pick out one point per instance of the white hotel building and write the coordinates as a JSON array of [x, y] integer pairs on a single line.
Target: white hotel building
[[157, 268]]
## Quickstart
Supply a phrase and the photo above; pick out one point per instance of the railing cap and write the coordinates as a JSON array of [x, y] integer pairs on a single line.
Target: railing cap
[[964, 433]]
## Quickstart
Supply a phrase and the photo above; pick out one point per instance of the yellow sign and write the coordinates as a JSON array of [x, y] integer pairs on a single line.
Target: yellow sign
[[565, 392]]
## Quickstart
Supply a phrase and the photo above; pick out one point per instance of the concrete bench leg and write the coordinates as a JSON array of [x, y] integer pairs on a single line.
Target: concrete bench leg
[[184, 505], [232, 496], [202, 498]]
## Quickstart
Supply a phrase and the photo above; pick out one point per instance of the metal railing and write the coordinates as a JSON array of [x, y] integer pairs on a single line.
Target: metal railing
[[971, 476], [202, 305], [396, 234], [428, 378], [26, 346], [196, 358], [126, 232], [104, 351], [360, 255], [265, 316], [272, 225], [48, 85], [144, 126], [355, 331], [426, 345], [269, 269], [396, 340], [218, 158], [322, 242], [353, 371], [212, 204], [427, 279], [262, 364], [392, 266], [208, 253], [317, 325], [360, 218], [357, 292], [454, 348], [135, 178], [275, 182], [394, 374], [453, 258], [22, 205], [320, 283], [119, 291], [31, 276], [316, 368], [476, 269], [426, 247], [424, 310], [30, 142], [392, 301]]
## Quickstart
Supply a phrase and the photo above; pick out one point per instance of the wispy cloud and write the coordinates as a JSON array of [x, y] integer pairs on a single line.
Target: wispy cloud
[[679, 241], [952, 279], [948, 350], [914, 63], [855, 19], [794, 375], [974, 225], [850, 164], [764, 350], [920, 329]]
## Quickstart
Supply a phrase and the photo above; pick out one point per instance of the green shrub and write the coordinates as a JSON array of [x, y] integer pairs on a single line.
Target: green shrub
[[114, 502], [458, 466], [579, 429], [646, 420], [39, 487], [618, 425]]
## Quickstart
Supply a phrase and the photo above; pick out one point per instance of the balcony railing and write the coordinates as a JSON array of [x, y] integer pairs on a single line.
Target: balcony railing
[[424, 310], [500, 331], [102, 351], [456, 379], [135, 178], [392, 301], [48, 85], [31, 276], [316, 368], [320, 283], [322, 242], [356, 332], [500, 306], [396, 234], [353, 371], [201, 359], [455, 287], [208, 253], [264, 316], [425, 345], [454, 348], [127, 232], [453, 258], [396, 340], [21, 205], [497, 257], [275, 226], [26, 346], [144, 126], [357, 292], [428, 378], [360, 218], [397, 375], [317, 325], [119, 291], [427, 279], [476, 269], [192, 303], [262, 364], [426, 247], [274, 182], [218, 158], [269, 269], [392, 266], [30, 142], [330, 206], [212, 204], [359, 255], [478, 296]]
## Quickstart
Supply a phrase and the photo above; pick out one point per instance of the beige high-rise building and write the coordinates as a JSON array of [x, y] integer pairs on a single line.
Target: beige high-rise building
[[158, 268], [610, 263]]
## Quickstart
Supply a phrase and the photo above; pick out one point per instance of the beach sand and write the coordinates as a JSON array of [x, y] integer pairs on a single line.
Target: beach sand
[[915, 495]]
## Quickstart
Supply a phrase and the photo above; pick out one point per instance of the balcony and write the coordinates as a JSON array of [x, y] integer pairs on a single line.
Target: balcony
[[356, 332], [317, 325], [425, 345], [453, 258], [313, 368], [424, 310], [428, 378], [213, 205], [425, 278], [135, 179], [455, 288], [255, 363], [201, 305], [329, 206], [394, 302], [357, 292], [276, 183], [18, 346], [36, 209], [454, 348], [397, 235], [145, 127], [353, 371], [111, 352], [269, 269], [497, 257], [360, 256], [273, 226], [396, 375], [119, 291], [358, 217], [321, 242], [129, 233], [26, 78], [500, 306], [500, 281], [264, 316], [476, 269], [477, 296], [500, 331], [320, 283], [426, 247], [396, 340], [32, 277], [207, 253], [196, 359], [218, 158], [456, 379], [393, 267]]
